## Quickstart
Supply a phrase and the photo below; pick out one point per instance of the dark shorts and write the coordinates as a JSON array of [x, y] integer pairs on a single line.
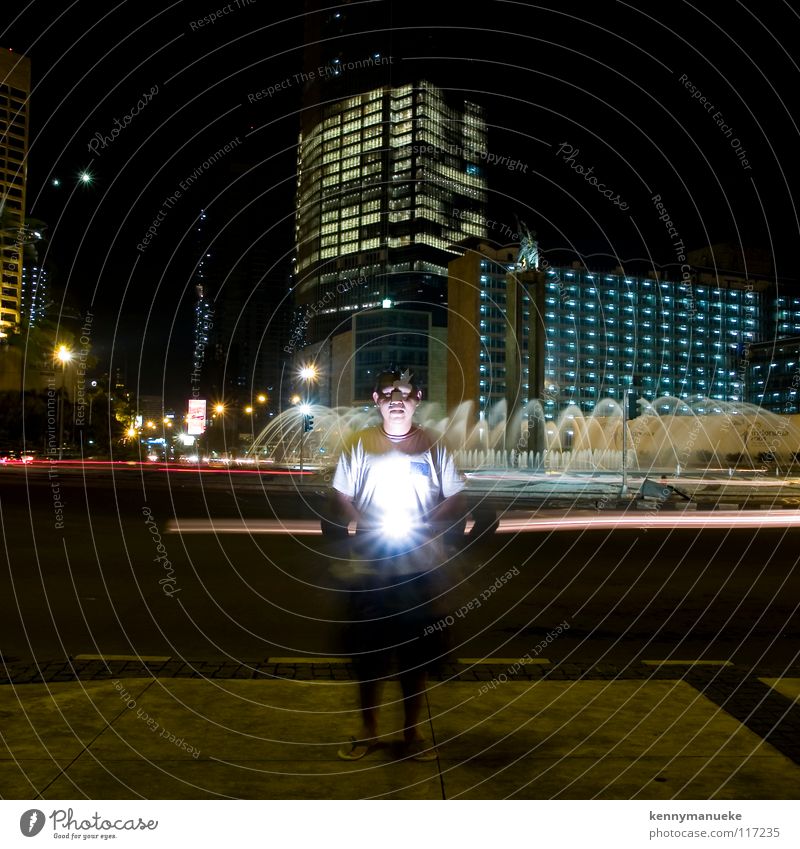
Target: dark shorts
[[395, 628]]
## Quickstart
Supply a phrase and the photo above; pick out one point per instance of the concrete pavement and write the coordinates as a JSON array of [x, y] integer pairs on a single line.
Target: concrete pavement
[[162, 729]]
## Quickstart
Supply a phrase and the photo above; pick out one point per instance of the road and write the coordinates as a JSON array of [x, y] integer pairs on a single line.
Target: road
[[89, 577]]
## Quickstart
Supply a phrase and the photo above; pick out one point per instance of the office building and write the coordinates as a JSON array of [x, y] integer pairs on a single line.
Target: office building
[[388, 182], [15, 88]]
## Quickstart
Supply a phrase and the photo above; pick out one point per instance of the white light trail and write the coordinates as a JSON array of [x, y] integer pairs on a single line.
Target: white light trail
[[523, 524]]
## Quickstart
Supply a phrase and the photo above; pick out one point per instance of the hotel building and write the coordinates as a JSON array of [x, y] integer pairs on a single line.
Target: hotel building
[[570, 336]]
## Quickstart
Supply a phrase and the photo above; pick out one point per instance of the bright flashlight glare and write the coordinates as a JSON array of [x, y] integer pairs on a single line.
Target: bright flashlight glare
[[396, 527], [305, 409]]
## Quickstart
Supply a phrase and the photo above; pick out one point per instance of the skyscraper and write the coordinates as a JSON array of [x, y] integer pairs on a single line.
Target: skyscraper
[[389, 180], [15, 88], [203, 319]]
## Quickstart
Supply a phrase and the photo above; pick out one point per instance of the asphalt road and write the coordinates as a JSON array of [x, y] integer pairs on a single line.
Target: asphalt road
[[81, 574]]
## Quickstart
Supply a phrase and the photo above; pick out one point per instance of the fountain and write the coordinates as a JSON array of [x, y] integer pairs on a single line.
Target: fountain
[[671, 435]]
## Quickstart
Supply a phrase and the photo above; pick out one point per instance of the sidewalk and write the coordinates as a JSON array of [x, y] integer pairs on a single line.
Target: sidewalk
[[175, 730]]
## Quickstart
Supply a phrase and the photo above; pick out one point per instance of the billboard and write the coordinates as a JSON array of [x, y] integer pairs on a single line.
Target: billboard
[[196, 420]]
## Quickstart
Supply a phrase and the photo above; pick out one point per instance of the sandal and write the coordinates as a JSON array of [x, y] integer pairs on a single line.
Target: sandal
[[421, 750], [355, 749]]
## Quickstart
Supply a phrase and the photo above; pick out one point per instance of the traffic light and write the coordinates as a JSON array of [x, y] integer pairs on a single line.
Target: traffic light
[[308, 423], [633, 406]]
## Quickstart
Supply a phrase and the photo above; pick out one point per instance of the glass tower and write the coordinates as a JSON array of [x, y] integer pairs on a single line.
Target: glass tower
[[388, 181]]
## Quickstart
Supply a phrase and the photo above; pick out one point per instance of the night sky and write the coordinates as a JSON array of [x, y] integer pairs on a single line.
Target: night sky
[[692, 103]]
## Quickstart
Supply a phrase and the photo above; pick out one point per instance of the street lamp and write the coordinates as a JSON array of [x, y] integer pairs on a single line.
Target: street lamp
[[220, 410], [308, 372], [63, 355]]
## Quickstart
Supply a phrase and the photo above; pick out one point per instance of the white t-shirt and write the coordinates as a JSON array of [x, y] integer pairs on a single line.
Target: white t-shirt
[[389, 475], [394, 483]]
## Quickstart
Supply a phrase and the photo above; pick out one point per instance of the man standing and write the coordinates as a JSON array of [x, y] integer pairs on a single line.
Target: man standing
[[400, 485]]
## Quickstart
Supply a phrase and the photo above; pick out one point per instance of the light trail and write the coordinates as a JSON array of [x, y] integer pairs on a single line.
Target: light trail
[[531, 524]]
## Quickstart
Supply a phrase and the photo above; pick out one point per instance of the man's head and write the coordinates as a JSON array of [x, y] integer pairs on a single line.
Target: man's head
[[396, 397]]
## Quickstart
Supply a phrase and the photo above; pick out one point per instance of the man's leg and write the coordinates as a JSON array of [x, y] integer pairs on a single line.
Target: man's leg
[[369, 690], [370, 693], [414, 684]]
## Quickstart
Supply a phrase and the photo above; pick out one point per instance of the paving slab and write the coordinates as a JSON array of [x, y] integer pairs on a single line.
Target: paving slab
[[688, 777], [179, 779], [57, 721], [27, 777], [235, 721], [590, 739], [789, 687], [180, 738]]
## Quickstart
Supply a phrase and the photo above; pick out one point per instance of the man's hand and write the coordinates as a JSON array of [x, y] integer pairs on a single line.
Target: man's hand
[[448, 518], [342, 514]]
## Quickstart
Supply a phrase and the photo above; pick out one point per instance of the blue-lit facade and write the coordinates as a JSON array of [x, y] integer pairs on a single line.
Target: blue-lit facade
[[772, 366], [606, 332], [565, 336], [488, 329], [503, 356], [33, 300], [785, 316], [773, 374]]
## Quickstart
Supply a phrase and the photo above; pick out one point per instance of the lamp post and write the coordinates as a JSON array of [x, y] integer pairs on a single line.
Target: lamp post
[[305, 409], [624, 487], [63, 355], [219, 409], [308, 374]]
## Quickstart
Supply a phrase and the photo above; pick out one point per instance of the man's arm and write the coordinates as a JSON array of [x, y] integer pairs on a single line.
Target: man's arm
[[450, 514], [341, 512], [343, 508], [449, 517], [449, 510]]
